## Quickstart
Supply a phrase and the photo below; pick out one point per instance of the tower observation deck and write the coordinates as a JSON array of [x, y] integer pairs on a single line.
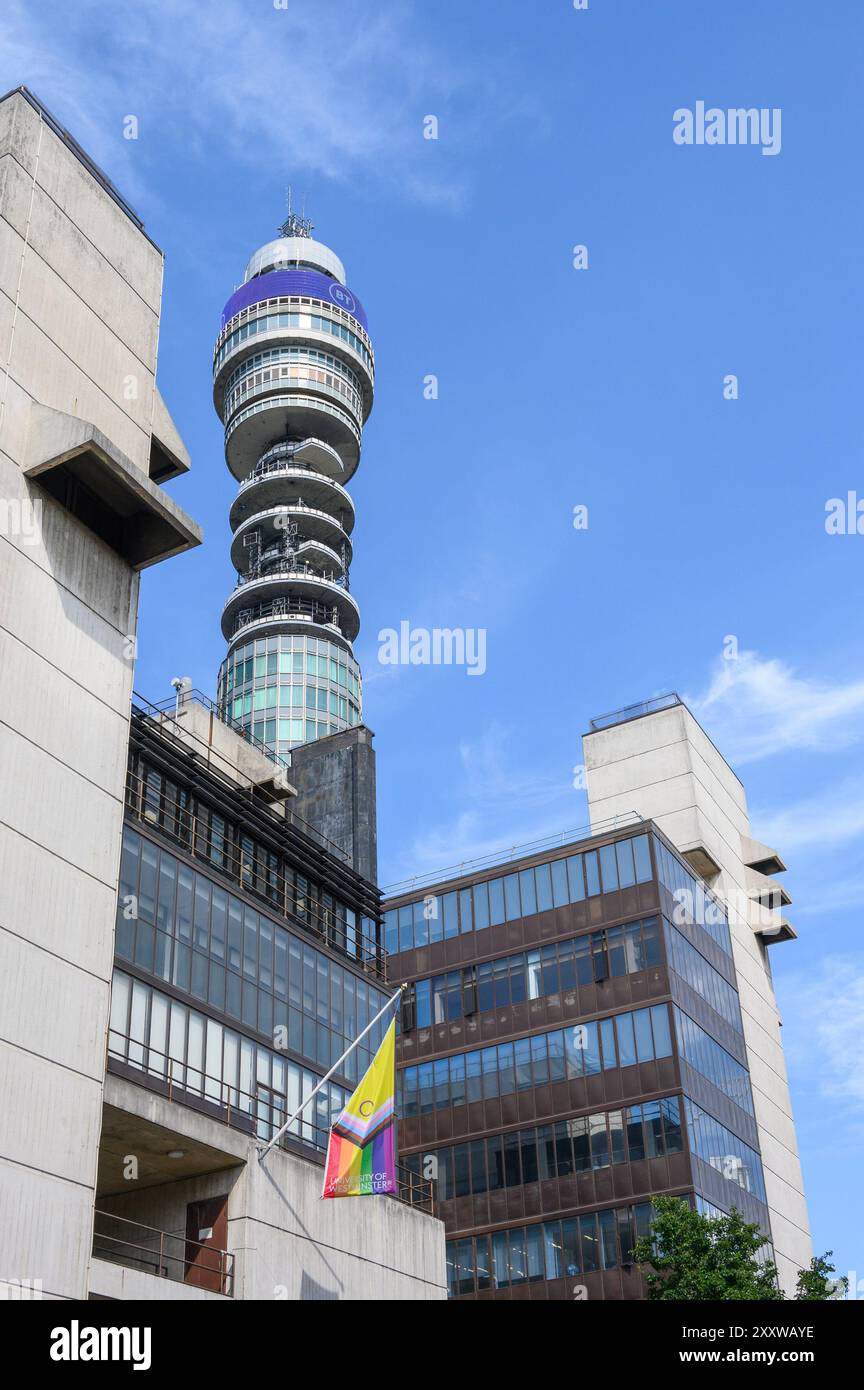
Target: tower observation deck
[[293, 379]]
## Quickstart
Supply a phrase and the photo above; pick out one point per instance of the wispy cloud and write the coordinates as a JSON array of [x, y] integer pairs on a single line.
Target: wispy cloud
[[499, 804], [755, 708], [337, 90], [832, 816], [823, 1012]]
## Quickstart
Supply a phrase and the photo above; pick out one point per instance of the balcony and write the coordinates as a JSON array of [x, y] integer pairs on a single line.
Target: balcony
[[259, 1115], [169, 1255], [325, 601], [312, 524], [294, 485], [256, 427]]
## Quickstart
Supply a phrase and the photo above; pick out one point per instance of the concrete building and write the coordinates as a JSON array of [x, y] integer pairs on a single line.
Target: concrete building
[[85, 441], [591, 1022], [247, 958], [657, 760], [151, 1039]]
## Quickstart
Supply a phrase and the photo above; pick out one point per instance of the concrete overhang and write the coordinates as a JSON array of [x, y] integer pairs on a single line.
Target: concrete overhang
[[766, 890], [271, 413], [698, 858], [227, 750], [124, 1133], [762, 858], [169, 456], [781, 930], [81, 468]]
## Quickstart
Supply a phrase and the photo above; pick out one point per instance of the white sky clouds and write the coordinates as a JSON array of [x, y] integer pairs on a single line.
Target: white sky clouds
[[335, 88], [754, 708], [823, 1015]]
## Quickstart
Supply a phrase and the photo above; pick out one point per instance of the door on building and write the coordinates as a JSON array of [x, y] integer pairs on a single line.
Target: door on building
[[206, 1239]]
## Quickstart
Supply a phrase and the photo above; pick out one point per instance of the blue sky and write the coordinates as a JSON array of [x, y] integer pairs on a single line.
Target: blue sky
[[557, 388]]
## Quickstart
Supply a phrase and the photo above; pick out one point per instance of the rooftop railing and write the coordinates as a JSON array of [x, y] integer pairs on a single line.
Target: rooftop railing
[[507, 855], [175, 704], [627, 712]]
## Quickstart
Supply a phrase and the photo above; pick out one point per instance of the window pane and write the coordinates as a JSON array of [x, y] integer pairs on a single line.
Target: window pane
[[590, 1243], [592, 873], [478, 1167], [616, 1136], [653, 1128], [495, 1162], [642, 857], [457, 1081], [534, 1252], [511, 897], [644, 1042], [552, 1249], [579, 1132], [529, 897], [539, 1059], [570, 1256], [483, 1269], [592, 1048], [635, 1137], [599, 1141], [528, 1145], [506, 1069], [626, 1041], [575, 878], [543, 881], [466, 922], [501, 1260], [607, 1039], [662, 1040], [481, 906], [608, 1247], [496, 902], [624, 856], [608, 868], [473, 1076], [560, 896], [523, 1064], [490, 1073]]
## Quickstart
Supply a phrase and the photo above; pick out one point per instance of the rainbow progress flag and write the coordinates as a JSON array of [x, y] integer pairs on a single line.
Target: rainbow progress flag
[[361, 1152]]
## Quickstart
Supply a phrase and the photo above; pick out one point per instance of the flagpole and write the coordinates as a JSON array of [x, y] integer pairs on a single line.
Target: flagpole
[[262, 1153]]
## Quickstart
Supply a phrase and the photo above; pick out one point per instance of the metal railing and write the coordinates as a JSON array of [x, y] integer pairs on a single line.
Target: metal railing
[[260, 1114], [290, 606], [174, 705], [161, 713], [627, 712], [513, 852], [291, 465], [182, 822], [299, 570], [167, 1254]]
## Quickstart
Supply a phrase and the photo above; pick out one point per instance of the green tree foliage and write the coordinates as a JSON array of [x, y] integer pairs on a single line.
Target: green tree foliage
[[815, 1283], [687, 1256]]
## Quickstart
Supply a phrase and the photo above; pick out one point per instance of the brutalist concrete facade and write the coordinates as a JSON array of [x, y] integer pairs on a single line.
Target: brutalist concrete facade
[[335, 781], [84, 439]]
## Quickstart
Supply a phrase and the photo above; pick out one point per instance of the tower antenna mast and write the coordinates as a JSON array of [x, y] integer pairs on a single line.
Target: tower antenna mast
[[296, 224]]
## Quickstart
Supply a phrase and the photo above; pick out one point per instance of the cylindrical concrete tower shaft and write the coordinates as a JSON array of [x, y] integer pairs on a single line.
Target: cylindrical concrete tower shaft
[[293, 378]]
